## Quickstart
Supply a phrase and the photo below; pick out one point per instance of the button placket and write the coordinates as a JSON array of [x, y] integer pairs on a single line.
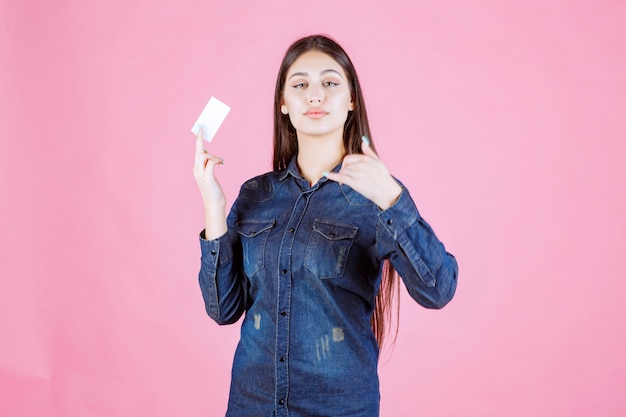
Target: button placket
[[284, 303]]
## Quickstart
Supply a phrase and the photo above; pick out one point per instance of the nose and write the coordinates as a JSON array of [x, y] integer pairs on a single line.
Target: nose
[[315, 96]]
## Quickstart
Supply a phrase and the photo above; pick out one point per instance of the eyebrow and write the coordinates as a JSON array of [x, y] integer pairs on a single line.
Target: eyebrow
[[305, 74]]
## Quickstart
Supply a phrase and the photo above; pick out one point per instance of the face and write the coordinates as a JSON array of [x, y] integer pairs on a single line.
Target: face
[[317, 95]]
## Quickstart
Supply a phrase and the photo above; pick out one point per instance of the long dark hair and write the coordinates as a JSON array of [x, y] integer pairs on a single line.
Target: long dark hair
[[357, 125]]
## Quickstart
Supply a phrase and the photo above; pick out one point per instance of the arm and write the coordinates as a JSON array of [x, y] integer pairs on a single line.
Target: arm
[[428, 271], [210, 189], [221, 280]]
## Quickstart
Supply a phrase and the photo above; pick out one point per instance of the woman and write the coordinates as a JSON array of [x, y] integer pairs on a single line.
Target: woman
[[306, 246]]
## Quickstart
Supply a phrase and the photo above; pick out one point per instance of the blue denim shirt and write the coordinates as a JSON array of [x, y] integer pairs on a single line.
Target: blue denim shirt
[[304, 265]]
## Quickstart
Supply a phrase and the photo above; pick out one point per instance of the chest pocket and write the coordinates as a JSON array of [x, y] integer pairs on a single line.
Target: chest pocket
[[254, 235], [328, 248]]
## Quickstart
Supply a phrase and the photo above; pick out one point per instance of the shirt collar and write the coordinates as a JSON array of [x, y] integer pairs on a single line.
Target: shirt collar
[[294, 171]]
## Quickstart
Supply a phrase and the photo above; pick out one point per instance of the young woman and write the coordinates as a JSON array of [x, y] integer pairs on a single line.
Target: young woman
[[305, 248]]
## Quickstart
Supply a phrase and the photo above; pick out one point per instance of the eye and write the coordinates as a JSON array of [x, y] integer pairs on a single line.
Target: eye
[[299, 85], [330, 84]]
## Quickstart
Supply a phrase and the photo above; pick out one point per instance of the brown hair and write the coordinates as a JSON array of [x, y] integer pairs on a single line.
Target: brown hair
[[357, 125]]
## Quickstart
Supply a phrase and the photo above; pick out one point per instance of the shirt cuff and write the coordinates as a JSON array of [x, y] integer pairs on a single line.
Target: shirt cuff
[[401, 215], [215, 251]]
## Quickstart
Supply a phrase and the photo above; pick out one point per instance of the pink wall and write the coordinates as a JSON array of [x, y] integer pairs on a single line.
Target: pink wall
[[504, 118]]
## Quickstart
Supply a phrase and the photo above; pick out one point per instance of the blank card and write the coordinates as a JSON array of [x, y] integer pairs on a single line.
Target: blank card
[[211, 119]]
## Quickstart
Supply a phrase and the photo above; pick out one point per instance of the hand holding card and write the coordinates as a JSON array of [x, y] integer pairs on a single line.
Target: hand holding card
[[211, 119], [214, 199]]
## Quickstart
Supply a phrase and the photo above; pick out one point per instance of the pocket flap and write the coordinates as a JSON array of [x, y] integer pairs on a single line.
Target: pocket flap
[[251, 228], [335, 231]]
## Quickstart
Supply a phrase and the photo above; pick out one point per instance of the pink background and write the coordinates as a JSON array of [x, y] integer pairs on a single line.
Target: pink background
[[504, 118]]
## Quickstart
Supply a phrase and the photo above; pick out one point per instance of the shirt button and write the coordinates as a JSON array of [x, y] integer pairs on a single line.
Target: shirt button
[[282, 359], [283, 313], [389, 222], [281, 401], [284, 271], [291, 229], [213, 252]]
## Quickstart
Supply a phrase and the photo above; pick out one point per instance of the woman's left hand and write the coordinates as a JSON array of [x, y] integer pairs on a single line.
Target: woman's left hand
[[366, 174]]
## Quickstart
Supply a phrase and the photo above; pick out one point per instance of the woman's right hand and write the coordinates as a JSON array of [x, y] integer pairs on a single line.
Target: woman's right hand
[[212, 194]]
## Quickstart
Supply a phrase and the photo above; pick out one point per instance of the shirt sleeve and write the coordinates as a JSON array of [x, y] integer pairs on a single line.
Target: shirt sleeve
[[428, 271], [222, 281]]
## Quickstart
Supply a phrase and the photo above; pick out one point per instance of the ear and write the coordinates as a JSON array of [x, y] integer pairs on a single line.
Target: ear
[[283, 109], [351, 106]]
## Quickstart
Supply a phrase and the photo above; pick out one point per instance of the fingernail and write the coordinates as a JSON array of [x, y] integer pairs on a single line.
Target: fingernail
[[365, 140], [325, 173]]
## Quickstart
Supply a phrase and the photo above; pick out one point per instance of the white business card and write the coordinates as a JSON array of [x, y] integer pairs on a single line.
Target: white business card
[[211, 119]]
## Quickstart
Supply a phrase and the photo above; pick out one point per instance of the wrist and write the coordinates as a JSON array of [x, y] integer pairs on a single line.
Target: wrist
[[214, 208], [391, 197], [215, 221]]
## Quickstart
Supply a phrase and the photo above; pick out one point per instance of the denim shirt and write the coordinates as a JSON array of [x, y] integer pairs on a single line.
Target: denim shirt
[[304, 265]]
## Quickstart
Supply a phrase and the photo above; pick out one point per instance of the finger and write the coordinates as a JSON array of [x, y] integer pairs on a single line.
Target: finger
[[352, 176], [203, 158], [205, 167], [206, 158], [200, 163], [199, 142], [353, 158], [367, 149], [200, 133], [215, 160], [337, 177]]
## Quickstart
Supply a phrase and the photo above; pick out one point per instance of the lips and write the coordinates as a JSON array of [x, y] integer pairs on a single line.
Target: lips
[[315, 113]]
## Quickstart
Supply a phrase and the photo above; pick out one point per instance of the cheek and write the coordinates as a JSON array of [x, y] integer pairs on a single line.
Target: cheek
[[290, 101], [346, 102], [294, 117]]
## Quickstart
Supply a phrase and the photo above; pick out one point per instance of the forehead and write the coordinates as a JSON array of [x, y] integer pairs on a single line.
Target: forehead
[[313, 63]]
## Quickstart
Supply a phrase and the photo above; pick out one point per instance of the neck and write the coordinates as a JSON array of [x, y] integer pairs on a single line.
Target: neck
[[319, 154]]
